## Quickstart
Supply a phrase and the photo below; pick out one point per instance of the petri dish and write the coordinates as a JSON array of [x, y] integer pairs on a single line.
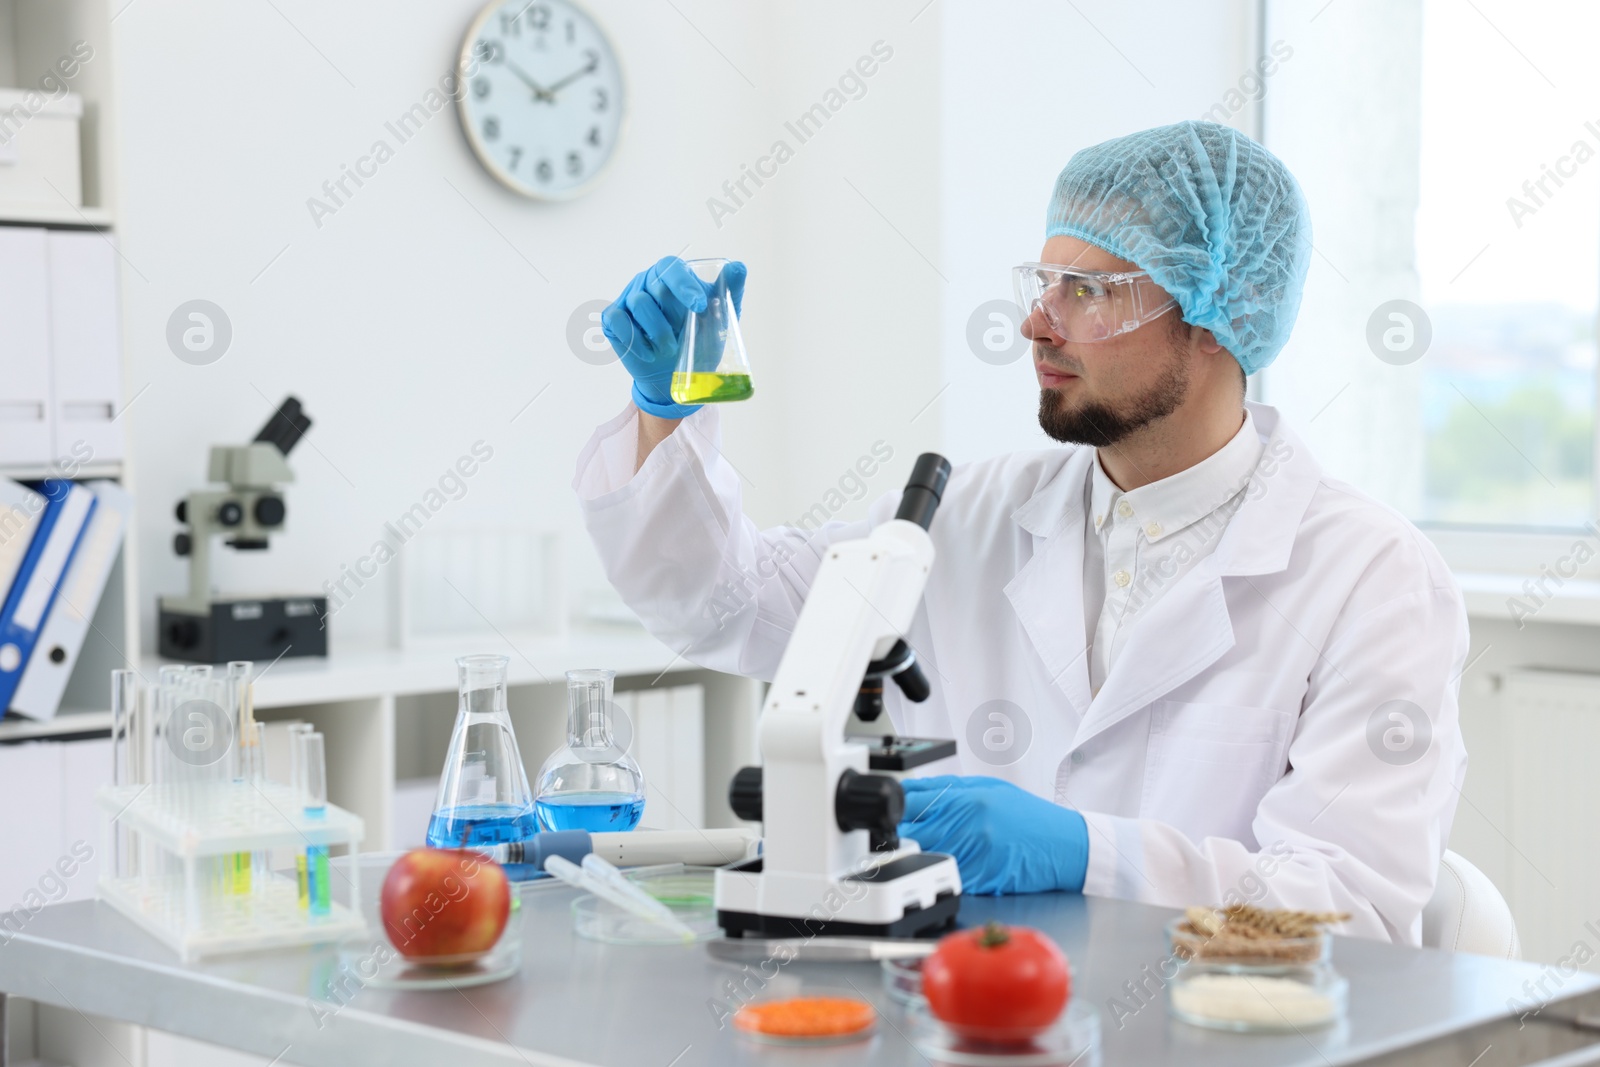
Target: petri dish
[[686, 890], [1279, 952], [1074, 1041], [373, 961], [1246, 999], [902, 980], [843, 1013]]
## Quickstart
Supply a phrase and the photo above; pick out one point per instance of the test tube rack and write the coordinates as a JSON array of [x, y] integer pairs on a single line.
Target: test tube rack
[[182, 836]]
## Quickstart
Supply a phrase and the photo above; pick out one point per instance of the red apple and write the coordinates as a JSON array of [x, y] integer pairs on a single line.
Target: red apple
[[443, 902]]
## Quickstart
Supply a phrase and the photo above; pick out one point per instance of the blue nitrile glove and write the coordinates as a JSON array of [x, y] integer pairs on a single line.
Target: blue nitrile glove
[[645, 327], [1004, 839]]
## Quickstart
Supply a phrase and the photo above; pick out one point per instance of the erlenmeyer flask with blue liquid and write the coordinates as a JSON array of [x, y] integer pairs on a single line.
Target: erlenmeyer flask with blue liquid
[[591, 783], [484, 799]]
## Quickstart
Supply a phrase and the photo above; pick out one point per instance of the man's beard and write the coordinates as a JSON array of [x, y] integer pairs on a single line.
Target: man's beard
[[1099, 424]]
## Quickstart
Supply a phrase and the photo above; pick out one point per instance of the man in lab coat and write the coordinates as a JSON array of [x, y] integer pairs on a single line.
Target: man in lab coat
[[1182, 664]]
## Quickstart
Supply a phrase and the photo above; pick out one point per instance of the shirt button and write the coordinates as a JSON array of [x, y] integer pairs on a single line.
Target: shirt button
[[1125, 509], [1098, 519], [1152, 530], [1122, 578], [1077, 755]]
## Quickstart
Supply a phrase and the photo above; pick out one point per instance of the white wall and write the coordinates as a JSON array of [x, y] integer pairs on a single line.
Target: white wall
[[855, 224], [409, 324]]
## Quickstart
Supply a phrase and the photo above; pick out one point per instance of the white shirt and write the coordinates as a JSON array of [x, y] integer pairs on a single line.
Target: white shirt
[[1137, 544]]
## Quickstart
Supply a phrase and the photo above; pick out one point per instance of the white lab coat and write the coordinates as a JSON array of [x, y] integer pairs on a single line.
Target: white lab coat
[[1236, 750]]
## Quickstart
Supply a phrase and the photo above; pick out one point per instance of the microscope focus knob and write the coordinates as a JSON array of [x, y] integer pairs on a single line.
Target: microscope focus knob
[[229, 513], [872, 802], [744, 795], [269, 511], [182, 511], [182, 543]]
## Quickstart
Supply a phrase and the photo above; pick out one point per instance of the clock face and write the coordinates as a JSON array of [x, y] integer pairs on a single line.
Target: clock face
[[542, 97]]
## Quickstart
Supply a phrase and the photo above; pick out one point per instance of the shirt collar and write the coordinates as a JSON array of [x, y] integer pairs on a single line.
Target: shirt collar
[[1161, 509]]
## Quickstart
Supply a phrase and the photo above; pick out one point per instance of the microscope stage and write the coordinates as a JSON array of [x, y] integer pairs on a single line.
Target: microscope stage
[[869, 904], [252, 628]]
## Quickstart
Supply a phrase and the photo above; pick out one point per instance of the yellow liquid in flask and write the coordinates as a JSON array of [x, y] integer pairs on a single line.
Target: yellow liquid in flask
[[709, 387]]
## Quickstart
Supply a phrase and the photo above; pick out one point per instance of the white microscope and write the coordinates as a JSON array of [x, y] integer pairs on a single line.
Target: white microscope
[[832, 862]]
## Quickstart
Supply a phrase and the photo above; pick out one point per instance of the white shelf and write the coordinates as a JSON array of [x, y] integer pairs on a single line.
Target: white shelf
[[65, 723], [364, 673], [370, 673], [38, 472], [54, 215]]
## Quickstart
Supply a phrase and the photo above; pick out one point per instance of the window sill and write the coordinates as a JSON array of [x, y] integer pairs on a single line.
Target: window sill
[[1501, 596]]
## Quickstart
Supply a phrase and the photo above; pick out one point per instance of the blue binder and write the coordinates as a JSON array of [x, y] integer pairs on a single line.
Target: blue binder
[[39, 579]]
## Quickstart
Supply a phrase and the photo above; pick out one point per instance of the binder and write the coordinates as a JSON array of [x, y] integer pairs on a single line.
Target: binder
[[26, 418], [45, 674], [20, 510], [85, 345], [34, 590]]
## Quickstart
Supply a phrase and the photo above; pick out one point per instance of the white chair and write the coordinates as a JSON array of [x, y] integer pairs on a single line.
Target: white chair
[[1468, 914]]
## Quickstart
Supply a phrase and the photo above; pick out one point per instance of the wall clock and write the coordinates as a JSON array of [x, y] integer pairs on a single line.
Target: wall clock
[[542, 100]]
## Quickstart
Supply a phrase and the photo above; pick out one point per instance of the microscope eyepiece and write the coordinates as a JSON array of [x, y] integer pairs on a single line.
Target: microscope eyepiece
[[924, 489], [285, 426]]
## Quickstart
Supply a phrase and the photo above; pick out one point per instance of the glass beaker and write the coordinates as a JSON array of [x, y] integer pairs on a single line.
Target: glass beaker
[[484, 799], [712, 364], [591, 783]]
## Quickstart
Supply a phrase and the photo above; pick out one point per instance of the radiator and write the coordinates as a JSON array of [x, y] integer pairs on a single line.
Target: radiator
[[669, 743], [1551, 729]]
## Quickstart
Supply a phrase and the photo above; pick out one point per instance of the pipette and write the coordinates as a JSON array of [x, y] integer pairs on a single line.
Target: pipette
[[624, 894], [631, 848], [602, 870]]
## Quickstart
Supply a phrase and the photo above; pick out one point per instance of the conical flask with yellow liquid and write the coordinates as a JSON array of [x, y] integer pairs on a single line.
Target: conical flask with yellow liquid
[[713, 367]]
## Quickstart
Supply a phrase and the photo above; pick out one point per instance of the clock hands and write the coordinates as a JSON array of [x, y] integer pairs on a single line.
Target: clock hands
[[590, 68], [539, 92], [548, 95]]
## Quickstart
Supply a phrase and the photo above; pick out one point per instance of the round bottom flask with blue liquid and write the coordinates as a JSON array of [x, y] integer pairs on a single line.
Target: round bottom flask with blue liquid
[[591, 783], [484, 799]]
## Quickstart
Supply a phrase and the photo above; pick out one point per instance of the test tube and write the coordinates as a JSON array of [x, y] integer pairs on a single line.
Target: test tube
[[124, 703], [240, 865], [165, 699], [260, 860], [238, 683], [124, 710], [296, 774], [164, 866], [297, 787], [314, 766]]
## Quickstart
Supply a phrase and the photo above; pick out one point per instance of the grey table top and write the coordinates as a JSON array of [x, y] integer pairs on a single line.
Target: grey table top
[[577, 1001]]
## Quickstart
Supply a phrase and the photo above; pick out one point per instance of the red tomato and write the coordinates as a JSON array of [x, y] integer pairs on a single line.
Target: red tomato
[[1000, 984]]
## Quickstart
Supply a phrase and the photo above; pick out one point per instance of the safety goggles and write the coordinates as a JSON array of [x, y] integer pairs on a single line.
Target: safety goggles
[[1089, 305]]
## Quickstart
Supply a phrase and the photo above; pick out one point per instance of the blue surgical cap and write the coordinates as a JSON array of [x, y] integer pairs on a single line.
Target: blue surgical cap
[[1217, 220]]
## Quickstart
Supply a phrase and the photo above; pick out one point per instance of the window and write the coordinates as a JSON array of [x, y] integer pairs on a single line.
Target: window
[[1450, 153], [1508, 254]]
